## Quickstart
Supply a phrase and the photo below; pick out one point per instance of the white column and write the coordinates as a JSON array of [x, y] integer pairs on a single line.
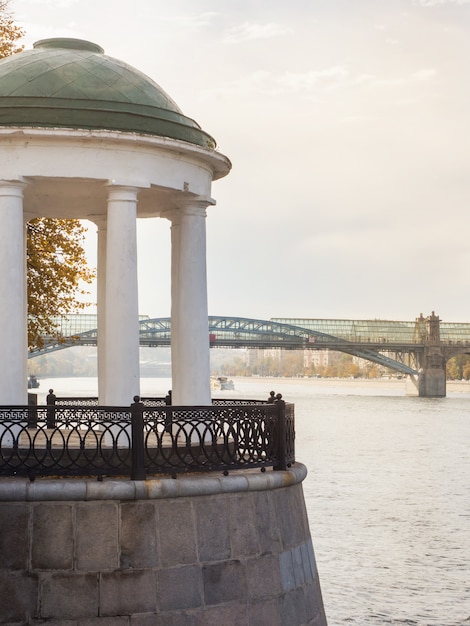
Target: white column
[[189, 327], [121, 327], [101, 310], [13, 320], [175, 253]]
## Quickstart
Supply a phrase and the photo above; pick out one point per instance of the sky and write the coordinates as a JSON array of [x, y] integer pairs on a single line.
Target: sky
[[347, 123]]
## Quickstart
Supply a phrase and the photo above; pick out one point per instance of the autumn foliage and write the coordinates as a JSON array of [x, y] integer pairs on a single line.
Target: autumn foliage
[[57, 271], [9, 32]]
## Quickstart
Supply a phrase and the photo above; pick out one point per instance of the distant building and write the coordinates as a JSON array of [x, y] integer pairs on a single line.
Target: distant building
[[255, 355], [321, 358]]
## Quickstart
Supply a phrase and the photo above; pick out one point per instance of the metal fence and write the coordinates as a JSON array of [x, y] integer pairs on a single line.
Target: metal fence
[[149, 437]]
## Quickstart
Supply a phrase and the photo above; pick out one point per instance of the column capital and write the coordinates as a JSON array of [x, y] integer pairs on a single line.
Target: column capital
[[100, 221], [127, 193], [188, 205], [190, 202], [12, 187]]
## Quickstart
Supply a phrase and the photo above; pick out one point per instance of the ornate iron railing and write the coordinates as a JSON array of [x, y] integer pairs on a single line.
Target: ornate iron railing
[[151, 401], [145, 438]]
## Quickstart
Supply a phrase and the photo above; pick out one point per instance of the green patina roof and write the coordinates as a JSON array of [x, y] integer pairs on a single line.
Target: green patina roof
[[70, 83]]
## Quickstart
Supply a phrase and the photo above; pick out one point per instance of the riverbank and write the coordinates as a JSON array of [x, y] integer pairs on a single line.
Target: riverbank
[[249, 387], [368, 386], [461, 384]]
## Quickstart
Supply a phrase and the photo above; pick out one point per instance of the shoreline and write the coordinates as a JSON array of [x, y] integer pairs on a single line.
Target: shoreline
[[85, 386], [459, 386]]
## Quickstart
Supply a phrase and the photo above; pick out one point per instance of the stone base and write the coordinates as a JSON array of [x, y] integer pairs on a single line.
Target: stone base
[[432, 383], [202, 551]]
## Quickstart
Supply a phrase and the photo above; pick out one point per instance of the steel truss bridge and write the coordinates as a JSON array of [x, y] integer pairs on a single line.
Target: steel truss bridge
[[392, 344]]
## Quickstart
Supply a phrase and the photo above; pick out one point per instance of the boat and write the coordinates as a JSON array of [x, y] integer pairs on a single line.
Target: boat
[[221, 383], [33, 382]]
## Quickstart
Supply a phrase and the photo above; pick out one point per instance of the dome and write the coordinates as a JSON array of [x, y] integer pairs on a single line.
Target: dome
[[71, 83]]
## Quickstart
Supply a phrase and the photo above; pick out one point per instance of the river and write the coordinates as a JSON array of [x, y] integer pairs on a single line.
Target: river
[[387, 493]]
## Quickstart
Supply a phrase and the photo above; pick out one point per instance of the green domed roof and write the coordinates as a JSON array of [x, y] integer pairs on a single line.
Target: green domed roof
[[71, 83]]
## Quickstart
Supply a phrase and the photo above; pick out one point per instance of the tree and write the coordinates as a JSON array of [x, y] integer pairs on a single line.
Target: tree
[[9, 32], [57, 267], [458, 367], [56, 261]]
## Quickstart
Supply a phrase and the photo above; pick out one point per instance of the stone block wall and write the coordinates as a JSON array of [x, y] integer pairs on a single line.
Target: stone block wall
[[198, 551]]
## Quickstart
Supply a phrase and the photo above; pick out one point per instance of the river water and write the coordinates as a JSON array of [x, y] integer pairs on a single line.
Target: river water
[[387, 493]]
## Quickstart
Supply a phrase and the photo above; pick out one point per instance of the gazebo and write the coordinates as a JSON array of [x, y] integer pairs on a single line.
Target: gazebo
[[86, 136]]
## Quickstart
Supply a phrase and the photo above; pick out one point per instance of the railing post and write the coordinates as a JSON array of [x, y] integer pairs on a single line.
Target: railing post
[[169, 415], [281, 429], [137, 429], [50, 401], [32, 410]]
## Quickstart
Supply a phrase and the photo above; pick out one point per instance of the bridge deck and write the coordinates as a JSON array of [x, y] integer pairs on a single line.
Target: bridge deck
[[375, 340], [356, 331]]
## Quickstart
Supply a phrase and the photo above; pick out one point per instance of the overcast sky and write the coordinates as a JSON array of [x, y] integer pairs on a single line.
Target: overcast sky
[[347, 123]]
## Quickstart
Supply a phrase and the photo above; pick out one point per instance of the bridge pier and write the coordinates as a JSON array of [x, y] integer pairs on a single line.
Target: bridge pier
[[432, 372], [432, 376]]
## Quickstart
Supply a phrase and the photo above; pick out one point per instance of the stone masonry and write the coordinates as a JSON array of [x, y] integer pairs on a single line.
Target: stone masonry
[[195, 551]]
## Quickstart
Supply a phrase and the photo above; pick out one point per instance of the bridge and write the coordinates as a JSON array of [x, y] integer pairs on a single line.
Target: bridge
[[409, 347]]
